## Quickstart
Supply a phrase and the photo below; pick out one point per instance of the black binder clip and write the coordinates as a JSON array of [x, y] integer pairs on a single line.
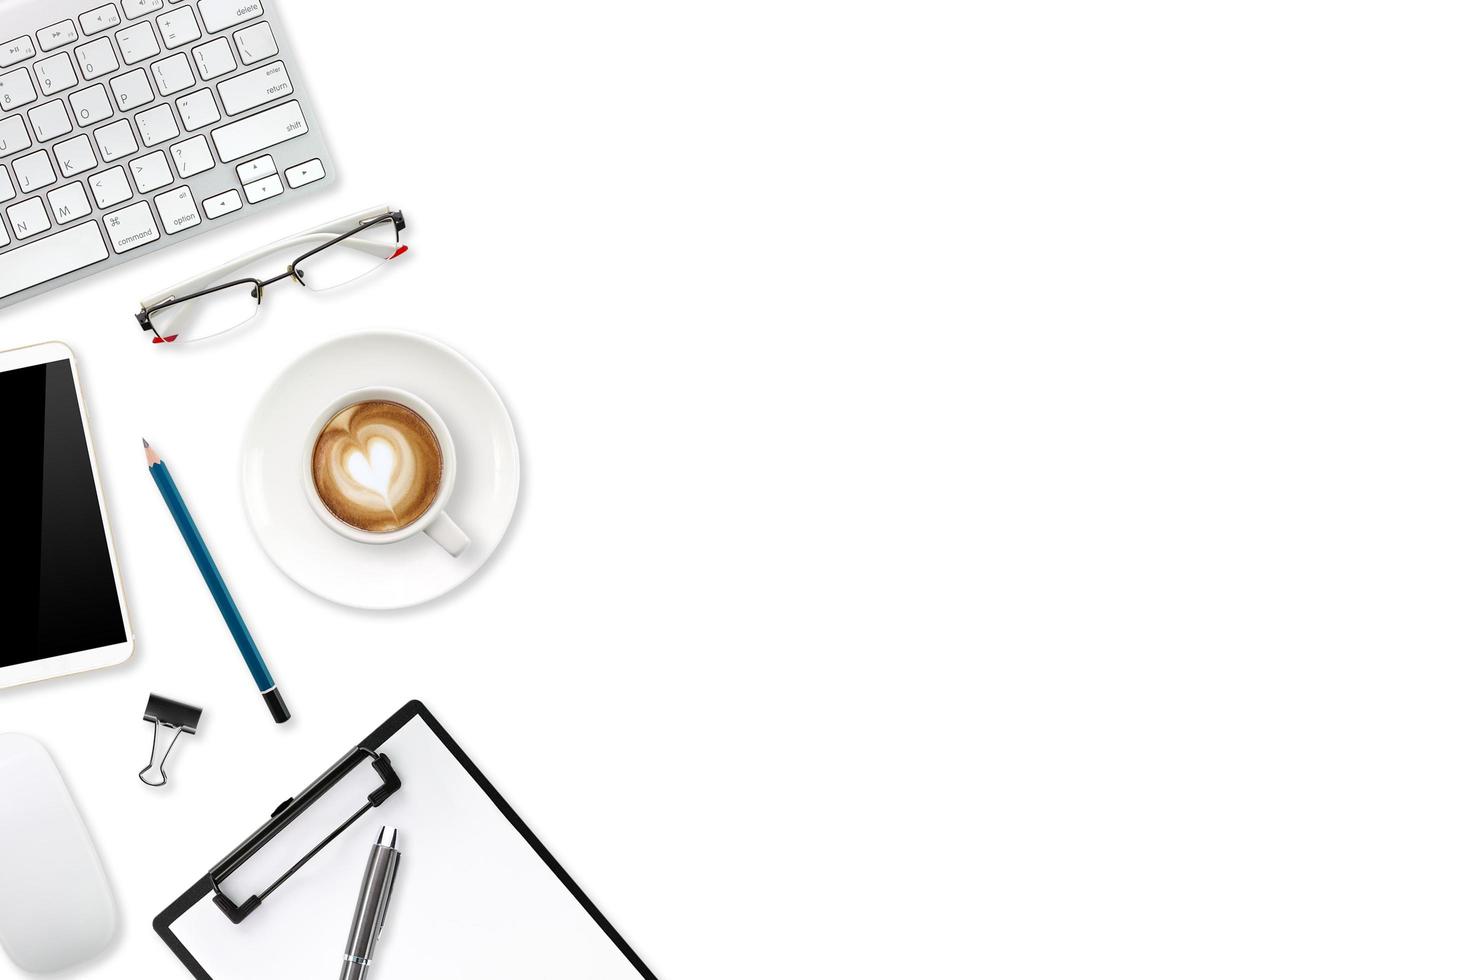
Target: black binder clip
[[170, 720]]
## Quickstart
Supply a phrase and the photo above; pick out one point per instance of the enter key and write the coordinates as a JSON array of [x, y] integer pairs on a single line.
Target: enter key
[[255, 88]]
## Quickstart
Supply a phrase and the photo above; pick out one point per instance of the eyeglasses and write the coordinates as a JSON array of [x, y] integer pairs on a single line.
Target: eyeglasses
[[216, 302]]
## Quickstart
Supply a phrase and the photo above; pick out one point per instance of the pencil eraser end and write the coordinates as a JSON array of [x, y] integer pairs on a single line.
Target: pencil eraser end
[[277, 704]]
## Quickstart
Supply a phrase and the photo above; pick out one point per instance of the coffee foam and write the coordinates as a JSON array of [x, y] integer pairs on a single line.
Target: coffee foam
[[377, 466]]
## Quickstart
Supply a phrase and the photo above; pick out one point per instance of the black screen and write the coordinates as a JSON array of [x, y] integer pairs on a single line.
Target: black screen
[[57, 592]]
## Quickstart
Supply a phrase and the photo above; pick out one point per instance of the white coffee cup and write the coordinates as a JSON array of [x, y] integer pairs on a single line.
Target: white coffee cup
[[438, 525]]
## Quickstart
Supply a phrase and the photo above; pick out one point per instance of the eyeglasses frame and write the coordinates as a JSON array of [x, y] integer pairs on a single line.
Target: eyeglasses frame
[[377, 217]]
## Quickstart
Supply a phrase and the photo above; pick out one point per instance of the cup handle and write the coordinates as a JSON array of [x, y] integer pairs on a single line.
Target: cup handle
[[447, 535]]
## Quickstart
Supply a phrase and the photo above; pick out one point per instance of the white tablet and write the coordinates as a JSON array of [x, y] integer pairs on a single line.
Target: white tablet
[[61, 601]]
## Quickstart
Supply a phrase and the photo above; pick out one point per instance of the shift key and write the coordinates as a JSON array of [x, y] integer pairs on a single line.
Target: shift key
[[255, 133]]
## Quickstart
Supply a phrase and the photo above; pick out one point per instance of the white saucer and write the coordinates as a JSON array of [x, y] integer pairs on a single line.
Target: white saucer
[[379, 576]]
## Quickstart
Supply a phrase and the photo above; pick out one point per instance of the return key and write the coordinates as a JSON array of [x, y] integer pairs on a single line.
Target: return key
[[254, 88]]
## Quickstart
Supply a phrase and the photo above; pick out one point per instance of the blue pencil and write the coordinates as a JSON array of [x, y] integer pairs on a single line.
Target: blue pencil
[[216, 583]]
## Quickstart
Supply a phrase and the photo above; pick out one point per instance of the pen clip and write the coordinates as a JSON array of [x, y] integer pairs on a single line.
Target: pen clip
[[388, 893]]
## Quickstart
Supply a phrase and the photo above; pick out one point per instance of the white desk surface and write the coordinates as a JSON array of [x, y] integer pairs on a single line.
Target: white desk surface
[[994, 490], [686, 666]]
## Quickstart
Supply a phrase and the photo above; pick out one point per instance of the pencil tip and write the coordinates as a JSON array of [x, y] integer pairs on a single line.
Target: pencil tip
[[145, 443]]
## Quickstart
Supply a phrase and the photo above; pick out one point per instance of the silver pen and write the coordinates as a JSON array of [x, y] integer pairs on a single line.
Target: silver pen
[[372, 905]]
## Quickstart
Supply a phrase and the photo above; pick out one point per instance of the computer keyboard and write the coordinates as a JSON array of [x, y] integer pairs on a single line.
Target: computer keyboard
[[130, 125]]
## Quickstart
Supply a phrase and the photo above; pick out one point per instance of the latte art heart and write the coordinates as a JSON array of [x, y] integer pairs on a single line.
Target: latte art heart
[[375, 473], [377, 466]]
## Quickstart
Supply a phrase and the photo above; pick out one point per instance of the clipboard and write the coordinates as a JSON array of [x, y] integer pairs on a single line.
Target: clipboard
[[477, 895]]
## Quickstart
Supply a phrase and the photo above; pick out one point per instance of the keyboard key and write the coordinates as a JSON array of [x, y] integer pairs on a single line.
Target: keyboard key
[[214, 59], [191, 157], [90, 105], [178, 27], [16, 89], [156, 125], [177, 211], [256, 43], [305, 173], [150, 172], [255, 169], [33, 171], [254, 88], [197, 109], [7, 189], [56, 35], [69, 202], [70, 250], [132, 89], [115, 140], [137, 42], [13, 135], [55, 73], [16, 51], [100, 19], [74, 156], [28, 218], [131, 227], [110, 187], [50, 120], [172, 74], [258, 132], [220, 14], [221, 204], [137, 8], [263, 188], [96, 58]]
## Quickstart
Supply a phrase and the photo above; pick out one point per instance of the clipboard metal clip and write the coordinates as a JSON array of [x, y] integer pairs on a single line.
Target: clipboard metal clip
[[288, 811]]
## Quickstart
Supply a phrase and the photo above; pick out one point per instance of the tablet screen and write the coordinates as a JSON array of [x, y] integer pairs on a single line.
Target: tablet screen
[[59, 594]]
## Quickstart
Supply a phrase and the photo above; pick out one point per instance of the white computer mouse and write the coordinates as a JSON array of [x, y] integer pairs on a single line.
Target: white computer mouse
[[56, 907]]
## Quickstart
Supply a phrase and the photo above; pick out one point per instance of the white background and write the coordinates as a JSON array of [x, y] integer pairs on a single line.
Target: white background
[[994, 494]]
